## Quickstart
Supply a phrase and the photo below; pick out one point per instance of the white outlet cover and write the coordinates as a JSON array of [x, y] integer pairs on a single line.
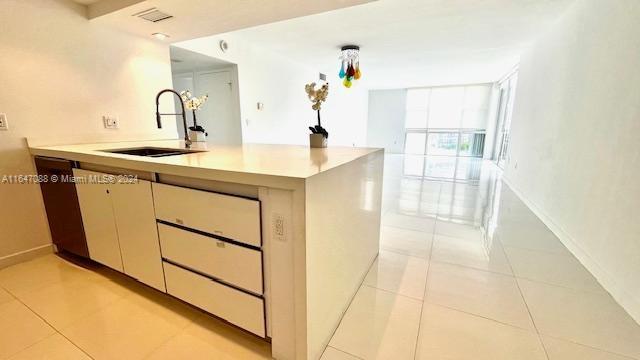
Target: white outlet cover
[[110, 122], [4, 123]]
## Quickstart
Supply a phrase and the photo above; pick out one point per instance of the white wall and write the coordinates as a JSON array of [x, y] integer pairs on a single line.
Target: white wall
[[59, 73], [574, 153], [386, 119], [278, 82]]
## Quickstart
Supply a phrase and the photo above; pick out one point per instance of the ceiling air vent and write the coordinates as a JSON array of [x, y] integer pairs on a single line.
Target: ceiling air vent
[[153, 15]]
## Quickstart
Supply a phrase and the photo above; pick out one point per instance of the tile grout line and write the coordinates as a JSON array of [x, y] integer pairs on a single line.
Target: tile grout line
[[547, 252], [342, 351], [559, 338], [166, 341], [396, 252], [408, 229], [392, 292], [424, 296], [602, 290], [349, 306], [48, 324], [590, 292], [592, 347], [473, 268], [407, 255], [480, 316], [533, 321]]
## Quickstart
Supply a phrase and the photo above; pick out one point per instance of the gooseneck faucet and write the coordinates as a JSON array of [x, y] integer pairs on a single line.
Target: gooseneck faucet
[[187, 141]]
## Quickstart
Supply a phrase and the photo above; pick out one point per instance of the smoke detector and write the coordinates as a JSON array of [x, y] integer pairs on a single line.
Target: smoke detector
[[224, 46]]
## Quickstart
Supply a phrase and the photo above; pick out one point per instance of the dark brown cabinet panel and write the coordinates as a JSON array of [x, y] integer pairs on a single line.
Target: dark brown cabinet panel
[[61, 204]]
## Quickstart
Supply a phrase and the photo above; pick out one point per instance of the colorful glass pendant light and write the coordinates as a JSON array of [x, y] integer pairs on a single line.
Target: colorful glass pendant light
[[349, 65], [351, 71]]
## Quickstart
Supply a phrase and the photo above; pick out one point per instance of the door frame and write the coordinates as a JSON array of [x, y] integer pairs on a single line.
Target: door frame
[[503, 117], [232, 69]]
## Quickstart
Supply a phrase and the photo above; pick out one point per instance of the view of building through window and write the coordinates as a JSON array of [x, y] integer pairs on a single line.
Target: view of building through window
[[449, 120]]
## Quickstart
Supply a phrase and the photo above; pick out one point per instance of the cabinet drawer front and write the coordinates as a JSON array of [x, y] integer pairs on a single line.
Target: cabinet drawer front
[[238, 308], [230, 263], [228, 216]]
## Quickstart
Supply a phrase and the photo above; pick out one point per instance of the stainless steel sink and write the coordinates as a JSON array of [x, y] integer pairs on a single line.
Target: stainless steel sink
[[149, 151]]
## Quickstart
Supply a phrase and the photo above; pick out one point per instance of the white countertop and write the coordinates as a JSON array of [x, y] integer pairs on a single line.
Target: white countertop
[[289, 161]]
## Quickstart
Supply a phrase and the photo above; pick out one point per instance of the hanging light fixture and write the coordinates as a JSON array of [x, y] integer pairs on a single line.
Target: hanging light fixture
[[349, 64]]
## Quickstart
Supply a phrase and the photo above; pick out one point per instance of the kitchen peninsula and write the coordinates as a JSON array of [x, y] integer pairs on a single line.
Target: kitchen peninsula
[[274, 239]]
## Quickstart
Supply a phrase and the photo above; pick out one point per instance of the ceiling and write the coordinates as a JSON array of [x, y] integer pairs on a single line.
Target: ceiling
[[86, 2], [196, 18], [407, 43], [183, 60]]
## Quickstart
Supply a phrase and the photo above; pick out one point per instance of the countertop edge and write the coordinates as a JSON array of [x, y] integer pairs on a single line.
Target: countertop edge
[[248, 178]]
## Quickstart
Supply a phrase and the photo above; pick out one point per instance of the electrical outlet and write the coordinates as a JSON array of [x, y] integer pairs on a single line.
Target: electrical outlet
[[4, 124], [110, 122], [279, 231]]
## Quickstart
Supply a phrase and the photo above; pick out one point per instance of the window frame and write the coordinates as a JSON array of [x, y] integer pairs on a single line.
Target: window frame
[[459, 130]]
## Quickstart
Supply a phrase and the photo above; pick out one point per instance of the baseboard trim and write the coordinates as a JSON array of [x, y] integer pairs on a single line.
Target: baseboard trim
[[25, 255], [619, 294]]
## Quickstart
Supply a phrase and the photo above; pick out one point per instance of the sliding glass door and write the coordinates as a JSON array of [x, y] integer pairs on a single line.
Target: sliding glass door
[[447, 121]]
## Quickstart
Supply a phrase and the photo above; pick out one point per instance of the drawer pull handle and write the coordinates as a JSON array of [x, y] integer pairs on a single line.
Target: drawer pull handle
[[179, 221], [220, 244]]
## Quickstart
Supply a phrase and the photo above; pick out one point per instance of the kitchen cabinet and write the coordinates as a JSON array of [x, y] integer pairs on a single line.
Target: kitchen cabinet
[[289, 207], [231, 217], [232, 264], [137, 232], [61, 202], [239, 308], [212, 252], [99, 220], [120, 225]]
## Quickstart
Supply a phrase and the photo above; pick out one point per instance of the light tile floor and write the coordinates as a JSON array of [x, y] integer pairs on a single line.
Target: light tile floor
[[53, 309], [465, 271], [498, 285]]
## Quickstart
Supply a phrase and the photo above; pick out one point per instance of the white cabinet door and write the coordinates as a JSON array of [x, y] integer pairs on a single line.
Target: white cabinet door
[[98, 219], [137, 232]]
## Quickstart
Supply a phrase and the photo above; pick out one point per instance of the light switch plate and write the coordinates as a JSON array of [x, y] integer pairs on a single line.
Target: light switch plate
[[110, 122], [4, 123]]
